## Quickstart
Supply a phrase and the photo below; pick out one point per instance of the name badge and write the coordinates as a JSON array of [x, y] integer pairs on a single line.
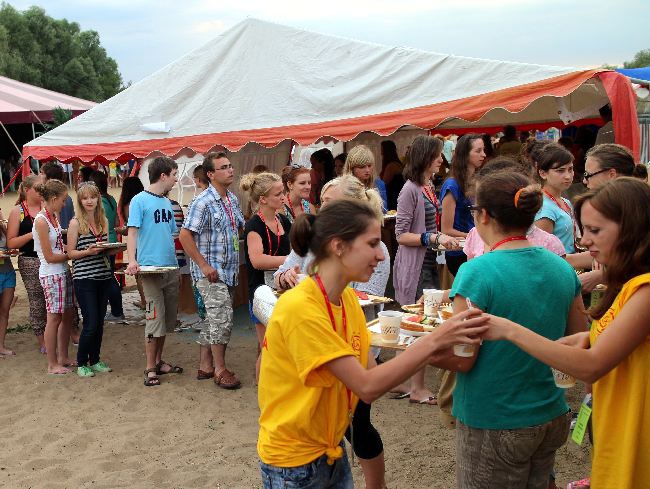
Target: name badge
[[578, 434]]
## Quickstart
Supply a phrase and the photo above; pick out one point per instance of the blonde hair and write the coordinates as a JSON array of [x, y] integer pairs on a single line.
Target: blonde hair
[[51, 189], [28, 182], [101, 223], [357, 157], [257, 185], [353, 188]]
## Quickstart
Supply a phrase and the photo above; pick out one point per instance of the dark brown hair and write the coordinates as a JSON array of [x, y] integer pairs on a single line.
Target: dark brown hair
[[614, 156], [551, 156], [460, 160], [159, 166], [345, 219], [52, 171], [625, 201], [208, 160], [503, 163], [509, 198], [423, 150]]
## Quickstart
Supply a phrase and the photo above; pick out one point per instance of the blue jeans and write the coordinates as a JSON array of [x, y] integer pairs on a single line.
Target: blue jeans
[[114, 296], [314, 475], [92, 296]]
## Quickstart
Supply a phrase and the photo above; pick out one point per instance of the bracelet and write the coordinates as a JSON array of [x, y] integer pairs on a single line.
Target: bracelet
[[425, 239], [283, 282], [437, 241]]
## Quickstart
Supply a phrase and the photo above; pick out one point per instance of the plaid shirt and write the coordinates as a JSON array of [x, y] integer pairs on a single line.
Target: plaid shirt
[[209, 220]]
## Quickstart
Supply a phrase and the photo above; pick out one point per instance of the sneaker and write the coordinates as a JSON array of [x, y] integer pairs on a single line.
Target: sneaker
[[581, 484], [85, 371], [101, 367], [115, 319]]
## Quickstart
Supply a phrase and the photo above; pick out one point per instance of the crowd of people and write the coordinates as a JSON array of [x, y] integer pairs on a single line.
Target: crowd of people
[[500, 221]]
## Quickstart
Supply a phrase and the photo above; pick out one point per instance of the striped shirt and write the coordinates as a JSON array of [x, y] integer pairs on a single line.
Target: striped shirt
[[214, 223], [93, 267]]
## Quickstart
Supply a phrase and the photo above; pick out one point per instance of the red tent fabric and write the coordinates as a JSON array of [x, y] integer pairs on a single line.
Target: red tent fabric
[[22, 103]]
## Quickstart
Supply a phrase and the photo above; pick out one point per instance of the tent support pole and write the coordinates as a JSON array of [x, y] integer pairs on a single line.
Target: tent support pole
[[33, 132], [10, 139]]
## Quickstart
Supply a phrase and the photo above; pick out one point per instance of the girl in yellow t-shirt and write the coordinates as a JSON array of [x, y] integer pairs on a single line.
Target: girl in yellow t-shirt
[[615, 354], [316, 363]]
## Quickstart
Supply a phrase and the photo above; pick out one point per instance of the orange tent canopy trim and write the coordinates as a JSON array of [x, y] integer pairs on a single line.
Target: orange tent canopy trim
[[469, 109]]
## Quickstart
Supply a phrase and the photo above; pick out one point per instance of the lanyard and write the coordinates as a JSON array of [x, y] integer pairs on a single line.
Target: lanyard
[[268, 234], [570, 214], [57, 230], [293, 214], [230, 212], [432, 198], [97, 236], [345, 335], [508, 240], [25, 207]]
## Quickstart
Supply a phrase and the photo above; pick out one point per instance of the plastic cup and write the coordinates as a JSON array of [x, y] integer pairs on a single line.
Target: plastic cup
[[463, 350], [432, 299], [562, 380], [389, 322]]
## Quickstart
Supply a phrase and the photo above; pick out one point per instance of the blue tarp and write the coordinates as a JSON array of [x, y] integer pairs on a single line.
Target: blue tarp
[[638, 73]]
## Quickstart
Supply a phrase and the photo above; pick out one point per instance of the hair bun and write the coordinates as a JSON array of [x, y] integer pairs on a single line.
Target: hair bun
[[302, 233]]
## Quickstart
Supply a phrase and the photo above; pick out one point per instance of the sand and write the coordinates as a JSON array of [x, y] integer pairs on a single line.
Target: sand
[[112, 432]]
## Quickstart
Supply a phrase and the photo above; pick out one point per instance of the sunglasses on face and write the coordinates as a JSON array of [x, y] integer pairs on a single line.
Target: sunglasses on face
[[586, 175]]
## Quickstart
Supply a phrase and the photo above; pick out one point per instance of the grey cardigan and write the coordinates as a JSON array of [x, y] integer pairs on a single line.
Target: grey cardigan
[[409, 259]]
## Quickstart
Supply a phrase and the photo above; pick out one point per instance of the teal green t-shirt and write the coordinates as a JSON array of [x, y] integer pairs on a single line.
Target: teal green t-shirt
[[110, 209], [507, 388]]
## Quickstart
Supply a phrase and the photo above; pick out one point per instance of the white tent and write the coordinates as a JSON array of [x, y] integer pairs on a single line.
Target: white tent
[[266, 85]]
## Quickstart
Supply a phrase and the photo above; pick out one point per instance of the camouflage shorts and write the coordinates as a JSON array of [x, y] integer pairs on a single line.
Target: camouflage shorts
[[217, 298]]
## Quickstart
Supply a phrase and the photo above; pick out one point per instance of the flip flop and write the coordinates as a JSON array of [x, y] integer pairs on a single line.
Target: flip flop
[[7, 353], [71, 364], [61, 371], [431, 401], [404, 395]]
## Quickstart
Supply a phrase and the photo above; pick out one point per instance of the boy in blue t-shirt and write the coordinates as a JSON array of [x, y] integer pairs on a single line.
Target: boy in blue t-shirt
[[150, 242]]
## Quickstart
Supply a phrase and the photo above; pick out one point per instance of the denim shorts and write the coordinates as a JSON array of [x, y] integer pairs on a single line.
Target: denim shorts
[[7, 280], [314, 475], [252, 316]]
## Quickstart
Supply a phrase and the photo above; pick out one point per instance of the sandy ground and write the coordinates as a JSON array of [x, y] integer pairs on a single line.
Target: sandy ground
[[112, 432]]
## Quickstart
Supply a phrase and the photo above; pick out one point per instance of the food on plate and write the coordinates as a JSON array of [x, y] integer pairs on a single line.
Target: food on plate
[[418, 323], [361, 295], [446, 311], [414, 308]]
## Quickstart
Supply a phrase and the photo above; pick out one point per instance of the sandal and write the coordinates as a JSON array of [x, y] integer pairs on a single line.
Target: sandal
[[226, 380], [151, 381], [173, 369], [203, 375]]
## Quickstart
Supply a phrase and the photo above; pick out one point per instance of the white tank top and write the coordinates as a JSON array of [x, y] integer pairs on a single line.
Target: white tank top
[[56, 244]]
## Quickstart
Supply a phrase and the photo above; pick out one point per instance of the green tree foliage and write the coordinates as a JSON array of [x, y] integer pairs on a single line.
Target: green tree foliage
[[641, 60], [55, 54]]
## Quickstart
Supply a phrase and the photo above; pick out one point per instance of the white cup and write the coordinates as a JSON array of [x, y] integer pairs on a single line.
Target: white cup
[[463, 350], [562, 380], [432, 299], [389, 322]]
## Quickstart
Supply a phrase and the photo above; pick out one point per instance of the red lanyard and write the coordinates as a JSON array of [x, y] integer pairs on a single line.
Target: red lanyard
[[293, 214], [548, 194], [432, 197], [568, 211], [25, 207], [268, 234], [98, 237], [59, 239], [344, 320], [507, 240], [231, 213]]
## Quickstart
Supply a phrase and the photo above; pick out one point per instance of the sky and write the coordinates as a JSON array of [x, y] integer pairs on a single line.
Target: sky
[[145, 35]]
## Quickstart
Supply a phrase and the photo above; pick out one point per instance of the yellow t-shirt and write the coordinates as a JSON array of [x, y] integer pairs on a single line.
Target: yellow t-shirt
[[621, 410], [304, 408]]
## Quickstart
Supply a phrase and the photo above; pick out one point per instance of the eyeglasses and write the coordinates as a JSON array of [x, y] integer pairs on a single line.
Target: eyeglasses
[[586, 175]]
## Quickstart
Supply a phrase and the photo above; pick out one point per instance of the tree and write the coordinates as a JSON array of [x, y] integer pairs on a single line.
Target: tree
[[641, 60], [55, 54]]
